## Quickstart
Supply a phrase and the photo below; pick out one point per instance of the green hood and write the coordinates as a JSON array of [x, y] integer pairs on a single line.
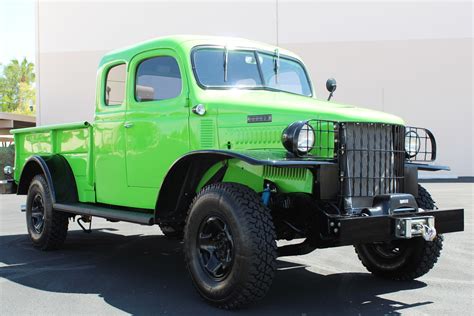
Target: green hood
[[234, 106], [286, 107]]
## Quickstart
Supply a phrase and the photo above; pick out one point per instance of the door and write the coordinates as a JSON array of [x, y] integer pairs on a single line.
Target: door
[[109, 135], [156, 120]]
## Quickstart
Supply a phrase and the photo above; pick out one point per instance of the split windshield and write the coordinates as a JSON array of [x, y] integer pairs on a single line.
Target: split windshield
[[220, 68]]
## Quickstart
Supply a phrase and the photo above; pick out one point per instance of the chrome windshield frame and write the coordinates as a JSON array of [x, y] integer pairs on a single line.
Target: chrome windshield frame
[[256, 51]]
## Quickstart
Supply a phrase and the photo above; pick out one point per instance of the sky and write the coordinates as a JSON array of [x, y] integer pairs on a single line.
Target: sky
[[17, 30]]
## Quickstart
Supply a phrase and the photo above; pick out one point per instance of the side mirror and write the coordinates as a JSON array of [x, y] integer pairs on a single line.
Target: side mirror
[[331, 86]]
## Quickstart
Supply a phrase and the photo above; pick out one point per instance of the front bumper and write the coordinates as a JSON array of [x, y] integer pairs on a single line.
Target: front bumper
[[350, 230]]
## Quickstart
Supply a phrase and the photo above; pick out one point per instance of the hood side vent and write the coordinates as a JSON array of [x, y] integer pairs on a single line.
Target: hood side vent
[[207, 133]]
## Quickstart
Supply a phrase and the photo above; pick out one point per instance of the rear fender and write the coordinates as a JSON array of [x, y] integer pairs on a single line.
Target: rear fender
[[58, 175]]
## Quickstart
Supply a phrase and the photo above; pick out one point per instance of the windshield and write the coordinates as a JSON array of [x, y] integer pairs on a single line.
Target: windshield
[[248, 69]]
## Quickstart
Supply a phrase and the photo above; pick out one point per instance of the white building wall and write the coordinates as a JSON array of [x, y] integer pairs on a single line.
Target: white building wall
[[413, 59]]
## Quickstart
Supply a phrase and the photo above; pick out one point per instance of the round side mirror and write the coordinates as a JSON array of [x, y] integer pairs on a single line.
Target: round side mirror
[[331, 85]]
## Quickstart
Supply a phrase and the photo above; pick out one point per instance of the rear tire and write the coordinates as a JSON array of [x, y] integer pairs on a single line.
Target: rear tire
[[229, 245], [403, 259], [47, 228]]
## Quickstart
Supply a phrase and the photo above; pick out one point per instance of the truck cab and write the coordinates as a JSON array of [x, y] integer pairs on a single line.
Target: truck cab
[[224, 145]]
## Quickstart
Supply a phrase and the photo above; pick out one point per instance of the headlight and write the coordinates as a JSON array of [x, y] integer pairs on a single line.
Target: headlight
[[298, 138], [412, 143], [7, 170]]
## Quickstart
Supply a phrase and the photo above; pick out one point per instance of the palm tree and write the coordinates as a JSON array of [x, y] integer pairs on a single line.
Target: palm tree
[[16, 87], [25, 70]]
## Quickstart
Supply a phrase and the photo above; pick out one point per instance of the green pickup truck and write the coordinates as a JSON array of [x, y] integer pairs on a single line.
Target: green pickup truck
[[223, 144]]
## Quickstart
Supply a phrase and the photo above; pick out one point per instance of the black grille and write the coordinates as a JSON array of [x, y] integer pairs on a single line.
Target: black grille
[[371, 159]]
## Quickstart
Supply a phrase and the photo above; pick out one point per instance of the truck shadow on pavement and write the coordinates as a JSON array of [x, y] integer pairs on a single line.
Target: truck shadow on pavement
[[146, 275]]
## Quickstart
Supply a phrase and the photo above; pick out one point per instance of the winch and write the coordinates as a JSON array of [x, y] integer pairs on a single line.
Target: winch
[[409, 227]]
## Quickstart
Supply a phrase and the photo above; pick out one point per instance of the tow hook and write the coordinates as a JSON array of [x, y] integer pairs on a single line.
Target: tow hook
[[428, 233]]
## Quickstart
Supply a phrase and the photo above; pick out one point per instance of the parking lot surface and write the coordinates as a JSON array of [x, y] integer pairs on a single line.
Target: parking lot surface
[[124, 268]]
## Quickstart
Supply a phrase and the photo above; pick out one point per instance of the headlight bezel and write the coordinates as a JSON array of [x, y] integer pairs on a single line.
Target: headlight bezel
[[291, 136]]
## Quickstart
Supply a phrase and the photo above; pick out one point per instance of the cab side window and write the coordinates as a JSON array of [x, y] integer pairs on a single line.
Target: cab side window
[[115, 85], [158, 78]]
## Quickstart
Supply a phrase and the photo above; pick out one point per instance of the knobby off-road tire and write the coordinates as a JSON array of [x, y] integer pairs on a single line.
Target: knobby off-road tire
[[47, 228], [403, 259], [229, 245]]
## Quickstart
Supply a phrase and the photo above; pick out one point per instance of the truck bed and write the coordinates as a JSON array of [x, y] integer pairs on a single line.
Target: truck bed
[[73, 141]]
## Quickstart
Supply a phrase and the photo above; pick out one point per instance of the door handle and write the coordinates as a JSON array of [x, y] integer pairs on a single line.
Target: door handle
[[128, 124]]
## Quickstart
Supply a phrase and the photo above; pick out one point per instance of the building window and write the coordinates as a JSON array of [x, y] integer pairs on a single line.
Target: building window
[[115, 85], [158, 78]]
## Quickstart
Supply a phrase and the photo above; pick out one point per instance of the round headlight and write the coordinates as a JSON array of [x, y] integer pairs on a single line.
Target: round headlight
[[305, 139], [298, 138], [412, 143]]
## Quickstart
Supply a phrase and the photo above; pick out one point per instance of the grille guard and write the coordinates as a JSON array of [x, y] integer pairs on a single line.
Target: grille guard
[[371, 157], [327, 140]]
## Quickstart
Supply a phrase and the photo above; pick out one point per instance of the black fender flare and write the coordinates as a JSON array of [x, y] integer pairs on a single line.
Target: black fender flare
[[58, 175], [179, 185]]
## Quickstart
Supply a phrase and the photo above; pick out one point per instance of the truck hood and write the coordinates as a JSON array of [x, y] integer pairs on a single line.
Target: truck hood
[[286, 107]]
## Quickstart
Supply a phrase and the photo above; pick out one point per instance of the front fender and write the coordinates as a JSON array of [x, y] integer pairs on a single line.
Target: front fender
[[184, 176]]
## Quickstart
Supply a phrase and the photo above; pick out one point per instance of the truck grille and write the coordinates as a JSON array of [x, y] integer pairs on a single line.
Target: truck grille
[[371, 159]]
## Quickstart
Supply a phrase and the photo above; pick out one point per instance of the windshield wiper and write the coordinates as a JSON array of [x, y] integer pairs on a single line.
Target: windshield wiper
[[226, 60], [276, 64]]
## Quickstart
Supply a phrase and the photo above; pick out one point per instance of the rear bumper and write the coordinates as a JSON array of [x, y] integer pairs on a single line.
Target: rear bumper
[[8, 187], [367, 229]]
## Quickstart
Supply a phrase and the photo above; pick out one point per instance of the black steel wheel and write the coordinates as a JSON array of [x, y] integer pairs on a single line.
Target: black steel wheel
[[216, 247], [47, 228], [229, 245], [37, 213], [403, 259]]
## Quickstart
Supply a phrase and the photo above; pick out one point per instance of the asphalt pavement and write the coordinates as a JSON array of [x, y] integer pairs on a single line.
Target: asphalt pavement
[[123, 268]]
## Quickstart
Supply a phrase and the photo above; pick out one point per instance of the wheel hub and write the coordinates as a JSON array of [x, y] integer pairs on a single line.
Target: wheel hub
[[215, 247], [388, 250], [37, 214]]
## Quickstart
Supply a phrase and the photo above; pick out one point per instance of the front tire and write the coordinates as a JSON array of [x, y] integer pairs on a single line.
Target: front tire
[[47, 228], [229, 245], [403, 259]]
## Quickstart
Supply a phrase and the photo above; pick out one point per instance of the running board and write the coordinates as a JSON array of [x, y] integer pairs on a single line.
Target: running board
[[105, 212]]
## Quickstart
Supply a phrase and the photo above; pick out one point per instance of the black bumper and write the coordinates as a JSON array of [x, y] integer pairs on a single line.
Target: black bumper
[[8, 187], [367, 229]]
